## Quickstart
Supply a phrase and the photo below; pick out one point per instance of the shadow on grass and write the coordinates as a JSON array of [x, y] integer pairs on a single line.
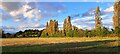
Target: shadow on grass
[[92, 46]]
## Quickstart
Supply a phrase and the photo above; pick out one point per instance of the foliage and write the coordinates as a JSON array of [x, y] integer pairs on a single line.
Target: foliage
[[44, 34], [117, 30], [20, 34], [104, 31], [116, 17]]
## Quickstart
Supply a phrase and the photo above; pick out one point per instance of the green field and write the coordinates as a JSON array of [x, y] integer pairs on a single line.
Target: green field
[[60, 44]]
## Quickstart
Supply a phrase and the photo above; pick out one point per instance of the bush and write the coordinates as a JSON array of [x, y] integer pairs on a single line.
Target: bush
[[69, 33], [117, 30], [44, 34]]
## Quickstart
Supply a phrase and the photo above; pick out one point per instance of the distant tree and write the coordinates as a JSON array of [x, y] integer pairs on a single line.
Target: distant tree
[[69, 33], [67, 27], [89, 33], [81, 32], [64, 27], [44, 34], [98, 19], [117, 30], [116, 17], [75, 32], [12, 35], [2, 34], [39, 33], [19, 34], [112, 31], [98, 31], [105, 31], [51, 27], [8, 35]]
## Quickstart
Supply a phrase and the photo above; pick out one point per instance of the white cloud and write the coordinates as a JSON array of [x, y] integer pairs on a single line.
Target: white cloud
[[110, 9], [98, 1], [17, 20], [30, 10], [60, 22], [29, 14], [84, 23], [26, 7], [59, 11], [79, 26], [37, 25], [89, 22], [26, 11], [84, 19]]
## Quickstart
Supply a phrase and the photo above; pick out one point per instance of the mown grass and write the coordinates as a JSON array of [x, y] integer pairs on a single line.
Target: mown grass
[[68, 44]]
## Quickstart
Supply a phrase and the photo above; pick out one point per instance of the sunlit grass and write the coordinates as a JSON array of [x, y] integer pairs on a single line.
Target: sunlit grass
[[61, 44], [32, 41]]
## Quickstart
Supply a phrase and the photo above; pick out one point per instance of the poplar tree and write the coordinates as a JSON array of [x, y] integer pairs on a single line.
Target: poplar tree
[[98, 19], [116, 17]]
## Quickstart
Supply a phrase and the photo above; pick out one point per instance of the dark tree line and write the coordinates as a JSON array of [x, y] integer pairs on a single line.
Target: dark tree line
[[20, 34], [74, 33]]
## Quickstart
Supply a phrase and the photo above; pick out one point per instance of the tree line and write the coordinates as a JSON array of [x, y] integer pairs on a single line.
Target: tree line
[[73, 33]]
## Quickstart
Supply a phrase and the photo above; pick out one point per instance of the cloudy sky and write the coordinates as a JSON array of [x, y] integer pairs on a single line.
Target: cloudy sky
[[16, 16]]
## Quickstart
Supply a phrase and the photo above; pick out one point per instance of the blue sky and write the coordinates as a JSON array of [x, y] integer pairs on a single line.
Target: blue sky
[[18, 16]]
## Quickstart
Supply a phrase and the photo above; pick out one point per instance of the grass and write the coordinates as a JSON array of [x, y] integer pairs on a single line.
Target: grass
[[66, 44]]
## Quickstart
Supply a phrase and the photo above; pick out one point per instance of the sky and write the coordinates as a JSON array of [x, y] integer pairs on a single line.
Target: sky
[[16, 16]]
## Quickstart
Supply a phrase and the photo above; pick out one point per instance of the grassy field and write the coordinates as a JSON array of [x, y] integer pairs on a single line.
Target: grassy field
[[66, 44]]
